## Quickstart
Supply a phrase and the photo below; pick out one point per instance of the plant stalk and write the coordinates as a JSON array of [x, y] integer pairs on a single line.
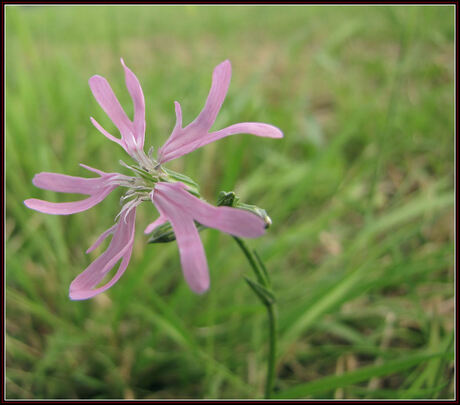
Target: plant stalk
[[263, 279]]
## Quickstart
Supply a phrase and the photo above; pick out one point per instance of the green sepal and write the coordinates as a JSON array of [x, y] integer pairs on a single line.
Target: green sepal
[[265, 295], [256, 210], [229, 199], [141, 172], [164, 233], [174, 177]]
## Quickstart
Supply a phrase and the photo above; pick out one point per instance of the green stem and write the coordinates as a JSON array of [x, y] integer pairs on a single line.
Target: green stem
[[262, 277], [252, 261], [271, 351]]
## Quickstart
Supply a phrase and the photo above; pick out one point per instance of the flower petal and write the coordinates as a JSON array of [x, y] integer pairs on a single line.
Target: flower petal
[[84, 294], [196, 134], [104, 132], [121, 245], [220, 83], [68, 208], [234, 221], [101, 238], [203, 123], [97, 171], [192, 256], [158, 222], [253, 128], [106, 98], [178, 111], [68, 184], [135, 90]]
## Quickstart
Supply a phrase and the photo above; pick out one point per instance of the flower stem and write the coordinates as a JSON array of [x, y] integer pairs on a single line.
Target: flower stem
[[271, 311], [264, 293]]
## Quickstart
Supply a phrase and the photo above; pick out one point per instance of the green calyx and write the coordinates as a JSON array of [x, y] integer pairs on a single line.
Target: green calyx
[[229, 199], [171, 176]]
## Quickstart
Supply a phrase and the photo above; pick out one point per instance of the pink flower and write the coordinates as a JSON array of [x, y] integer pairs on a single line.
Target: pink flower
[[151, 182]]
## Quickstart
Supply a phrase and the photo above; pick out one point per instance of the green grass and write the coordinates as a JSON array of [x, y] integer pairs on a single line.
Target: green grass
[[360, 191]]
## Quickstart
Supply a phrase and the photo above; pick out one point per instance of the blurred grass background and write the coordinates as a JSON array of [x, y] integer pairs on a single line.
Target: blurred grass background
[[360, 192]]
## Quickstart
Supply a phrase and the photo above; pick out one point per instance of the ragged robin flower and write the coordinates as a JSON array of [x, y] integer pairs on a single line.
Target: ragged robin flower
[[175, 196]]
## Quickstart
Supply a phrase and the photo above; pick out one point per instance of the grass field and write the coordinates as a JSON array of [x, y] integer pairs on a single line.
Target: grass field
[[360, 191]]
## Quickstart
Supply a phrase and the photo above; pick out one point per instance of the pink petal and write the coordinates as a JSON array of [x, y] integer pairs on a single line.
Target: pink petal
[[67, 208], [192, 256], [220, 83], [68, 184], [203, 123], [253, 128], [101, 238], [196, 134], [120, 247], [178, 111], [135, 90], [158, 222], [178, 131], [83, 294], [97, 171], [234, 221], [104, 132], [106, 98]]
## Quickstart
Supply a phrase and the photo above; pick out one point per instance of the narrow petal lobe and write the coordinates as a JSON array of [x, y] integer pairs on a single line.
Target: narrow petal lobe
[[106, 98], [197, 134], [192, 256], [120, 247], [155, 224], [97, 188], [67, 208], [135, 90], [234, 221]]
